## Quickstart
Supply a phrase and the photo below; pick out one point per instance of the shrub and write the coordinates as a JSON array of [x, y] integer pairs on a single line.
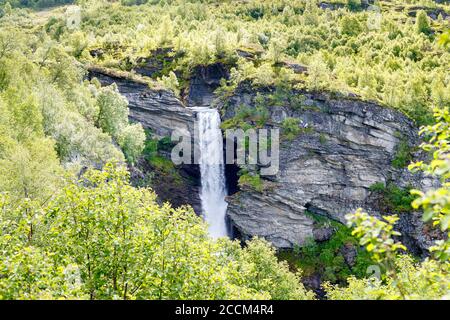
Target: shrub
[[351, 26], [354, 4], [403, 155], [291, 128], [131, 139], [171, 82], [422, 22], [326, 258], [113, 114], [394, 199], [252, 180]]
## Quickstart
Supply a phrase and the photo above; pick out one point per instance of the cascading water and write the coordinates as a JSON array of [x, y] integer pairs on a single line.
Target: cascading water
[[212, 169]]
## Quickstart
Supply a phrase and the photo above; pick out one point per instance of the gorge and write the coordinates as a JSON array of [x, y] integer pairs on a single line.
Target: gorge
[[343, 148], [224, 150]]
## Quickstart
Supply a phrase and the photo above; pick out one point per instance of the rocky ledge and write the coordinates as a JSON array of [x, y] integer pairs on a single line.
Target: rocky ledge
[[157, 109]]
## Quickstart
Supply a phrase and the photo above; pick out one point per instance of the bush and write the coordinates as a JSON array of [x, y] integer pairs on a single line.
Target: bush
[[291, 128], [403, 155], [326, 258], [131, 139], [422, 22], [354, 4], [394, 199], [351, 26], [252, 180], [171, 82], [113, 114]]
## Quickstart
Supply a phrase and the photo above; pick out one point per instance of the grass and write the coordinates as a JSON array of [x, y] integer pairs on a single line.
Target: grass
[[251, 180], [326, 258], [394, 199]]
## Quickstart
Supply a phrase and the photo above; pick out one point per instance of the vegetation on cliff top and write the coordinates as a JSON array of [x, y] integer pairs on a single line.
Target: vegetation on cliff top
[[390, 57]]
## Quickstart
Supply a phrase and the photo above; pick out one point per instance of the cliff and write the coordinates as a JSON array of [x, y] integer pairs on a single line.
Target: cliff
[[161, 112], [327, 170]]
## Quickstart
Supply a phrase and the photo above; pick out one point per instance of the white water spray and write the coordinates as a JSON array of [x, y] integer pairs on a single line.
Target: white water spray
[[212, 169]]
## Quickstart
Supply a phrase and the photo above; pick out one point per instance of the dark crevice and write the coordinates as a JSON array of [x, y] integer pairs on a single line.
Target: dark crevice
[[232, 178]]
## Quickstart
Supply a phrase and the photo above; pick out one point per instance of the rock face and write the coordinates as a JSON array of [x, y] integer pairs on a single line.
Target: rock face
[[158, 110], [345, 146], [203, 82], [326, 170], [162, 112]]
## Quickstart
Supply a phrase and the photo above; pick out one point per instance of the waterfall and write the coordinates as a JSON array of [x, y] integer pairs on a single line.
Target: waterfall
[[212, 169]]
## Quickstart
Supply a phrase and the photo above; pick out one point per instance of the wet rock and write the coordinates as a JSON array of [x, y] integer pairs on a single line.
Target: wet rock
[[323, 234], [204, 81]]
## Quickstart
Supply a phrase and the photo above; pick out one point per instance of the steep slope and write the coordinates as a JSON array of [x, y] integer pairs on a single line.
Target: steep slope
[[344, 147]]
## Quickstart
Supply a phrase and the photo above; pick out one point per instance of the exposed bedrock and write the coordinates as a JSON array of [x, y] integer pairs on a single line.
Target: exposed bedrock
[[327, 169], [345, 146], [159, 110], [162, 112]]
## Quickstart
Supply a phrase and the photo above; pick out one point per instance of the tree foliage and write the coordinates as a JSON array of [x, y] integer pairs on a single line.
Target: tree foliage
[[104, 239], [405, 278]]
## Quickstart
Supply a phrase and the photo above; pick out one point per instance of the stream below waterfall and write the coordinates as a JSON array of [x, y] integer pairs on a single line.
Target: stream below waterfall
[[212, 169]]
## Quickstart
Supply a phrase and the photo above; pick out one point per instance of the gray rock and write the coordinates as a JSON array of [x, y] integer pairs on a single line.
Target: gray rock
[[329, 177], [296, 67], [323, 234], [204, 81], [159, 110], [349, 253]]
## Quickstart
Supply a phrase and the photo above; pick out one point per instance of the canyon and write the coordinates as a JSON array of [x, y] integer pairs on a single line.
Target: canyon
[[346, 146]]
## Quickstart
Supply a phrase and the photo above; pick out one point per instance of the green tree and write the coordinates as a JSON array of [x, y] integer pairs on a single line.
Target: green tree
[[113, 110], [101, 238], [113, 119], [310, 15], [132, 139], [30, 170], [351, 26], [422, 22]]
